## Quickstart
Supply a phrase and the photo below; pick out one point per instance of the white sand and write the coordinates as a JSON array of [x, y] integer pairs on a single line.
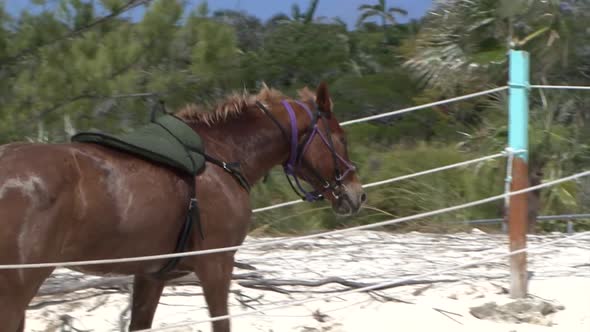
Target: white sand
[[561, 275]]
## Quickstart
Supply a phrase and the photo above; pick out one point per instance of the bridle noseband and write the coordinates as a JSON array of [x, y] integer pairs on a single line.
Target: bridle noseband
[[297, 152]]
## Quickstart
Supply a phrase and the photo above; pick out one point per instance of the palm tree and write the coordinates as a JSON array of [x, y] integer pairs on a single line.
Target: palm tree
[[462, 38], [297, 15], [380, 10], [462, 47]]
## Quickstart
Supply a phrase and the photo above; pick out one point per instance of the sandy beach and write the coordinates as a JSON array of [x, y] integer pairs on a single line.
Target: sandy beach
[[469, 299]]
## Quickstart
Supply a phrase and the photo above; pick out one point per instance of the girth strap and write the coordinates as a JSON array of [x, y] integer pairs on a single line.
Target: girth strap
[[183, 237], [193, 213]]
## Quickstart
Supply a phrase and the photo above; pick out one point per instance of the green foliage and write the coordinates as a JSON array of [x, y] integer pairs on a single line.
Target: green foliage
[[113, 6], [248, 29], [296, 54], [78, 65], [402, 198], [213, 53]]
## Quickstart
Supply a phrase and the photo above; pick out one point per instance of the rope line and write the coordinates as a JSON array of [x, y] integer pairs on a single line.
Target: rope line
[[305, 237], [563, 87], [419, 107], [403, 177], [438, 169], [405, 110], [276, 206], [377, 286], [559, 217], [415, 108]]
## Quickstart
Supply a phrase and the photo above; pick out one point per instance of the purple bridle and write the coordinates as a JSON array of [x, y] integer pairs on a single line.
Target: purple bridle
[[297, 152]]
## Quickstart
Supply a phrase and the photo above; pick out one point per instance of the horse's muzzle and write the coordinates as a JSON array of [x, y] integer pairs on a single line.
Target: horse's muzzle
[[349, 200]]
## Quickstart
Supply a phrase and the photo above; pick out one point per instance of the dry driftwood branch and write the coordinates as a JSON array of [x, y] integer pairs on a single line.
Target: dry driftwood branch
[[46, 303], [275, 285], [448, 314], [386, 298], [245, 299], [122, 283], [248, 280], [73, 286]]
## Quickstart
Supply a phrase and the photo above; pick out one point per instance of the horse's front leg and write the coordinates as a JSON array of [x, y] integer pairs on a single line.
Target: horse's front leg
[[215, 274], [146, 296]]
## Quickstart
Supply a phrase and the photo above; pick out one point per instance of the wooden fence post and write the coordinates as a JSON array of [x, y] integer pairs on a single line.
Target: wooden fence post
[[518, 140]]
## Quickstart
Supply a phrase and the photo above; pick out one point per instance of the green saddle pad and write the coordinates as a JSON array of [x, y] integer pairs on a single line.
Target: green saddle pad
[[168, 141]]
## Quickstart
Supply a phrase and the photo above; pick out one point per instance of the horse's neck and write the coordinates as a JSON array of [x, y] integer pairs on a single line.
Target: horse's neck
[[254, 141]]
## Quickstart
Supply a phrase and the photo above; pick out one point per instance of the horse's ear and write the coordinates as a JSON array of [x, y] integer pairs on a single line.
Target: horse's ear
[[323, 98]]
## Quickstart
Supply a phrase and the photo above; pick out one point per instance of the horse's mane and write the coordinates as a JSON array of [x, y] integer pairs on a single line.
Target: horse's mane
[[234, 105]]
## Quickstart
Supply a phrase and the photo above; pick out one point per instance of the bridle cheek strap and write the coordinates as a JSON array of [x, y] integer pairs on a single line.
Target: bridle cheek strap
[[295, 158], [290, 166]]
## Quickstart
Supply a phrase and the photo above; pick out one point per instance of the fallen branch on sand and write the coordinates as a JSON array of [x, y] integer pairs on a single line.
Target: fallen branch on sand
[[121, 284], [275, 285], [248, 280]]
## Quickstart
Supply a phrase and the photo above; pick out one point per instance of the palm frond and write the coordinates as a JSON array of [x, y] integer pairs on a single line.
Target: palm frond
[[295, 11], [396, 10], [308, 17], [368, 7], [367, 14]]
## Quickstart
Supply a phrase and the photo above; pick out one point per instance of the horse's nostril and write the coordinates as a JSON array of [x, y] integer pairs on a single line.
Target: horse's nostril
[[363, 198]]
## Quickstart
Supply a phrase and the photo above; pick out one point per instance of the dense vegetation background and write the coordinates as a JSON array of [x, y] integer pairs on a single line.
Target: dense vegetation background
[[76, 65]]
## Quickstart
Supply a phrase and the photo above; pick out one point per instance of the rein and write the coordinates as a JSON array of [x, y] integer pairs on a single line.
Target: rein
[[296, 156]]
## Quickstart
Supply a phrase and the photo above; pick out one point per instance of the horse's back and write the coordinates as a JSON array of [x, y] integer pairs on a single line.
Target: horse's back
[[80, 201]]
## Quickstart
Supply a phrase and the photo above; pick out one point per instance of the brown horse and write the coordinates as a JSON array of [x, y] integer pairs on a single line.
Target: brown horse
[[82, 201]]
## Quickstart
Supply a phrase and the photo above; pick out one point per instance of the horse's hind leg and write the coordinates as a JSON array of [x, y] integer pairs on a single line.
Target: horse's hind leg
[[21, 327], [215, 274], [146, 296], [17, 289], [13, 319]]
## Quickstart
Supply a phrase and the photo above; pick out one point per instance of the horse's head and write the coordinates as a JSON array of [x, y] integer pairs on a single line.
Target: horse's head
[[320, 155]]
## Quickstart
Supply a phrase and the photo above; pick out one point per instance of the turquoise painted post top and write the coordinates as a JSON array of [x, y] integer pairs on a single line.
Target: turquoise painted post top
[[518, 108]]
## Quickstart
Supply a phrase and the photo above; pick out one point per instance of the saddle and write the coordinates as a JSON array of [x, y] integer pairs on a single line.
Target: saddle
[[166, 140]]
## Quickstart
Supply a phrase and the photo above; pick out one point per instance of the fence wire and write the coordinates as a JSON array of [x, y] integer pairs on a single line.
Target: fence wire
[[424, 106], [305, 237], [400, 178], [375, 286]]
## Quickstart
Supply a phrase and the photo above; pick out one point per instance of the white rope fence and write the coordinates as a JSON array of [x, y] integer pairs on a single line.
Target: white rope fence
[[419, 107], [382, 115], [505, 196], [376, 286], [561, 87], [305, 237], [403, 177], [203, 252], [508, 152]]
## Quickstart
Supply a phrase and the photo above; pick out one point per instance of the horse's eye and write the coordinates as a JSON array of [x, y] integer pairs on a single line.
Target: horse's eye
[[343, 140]]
